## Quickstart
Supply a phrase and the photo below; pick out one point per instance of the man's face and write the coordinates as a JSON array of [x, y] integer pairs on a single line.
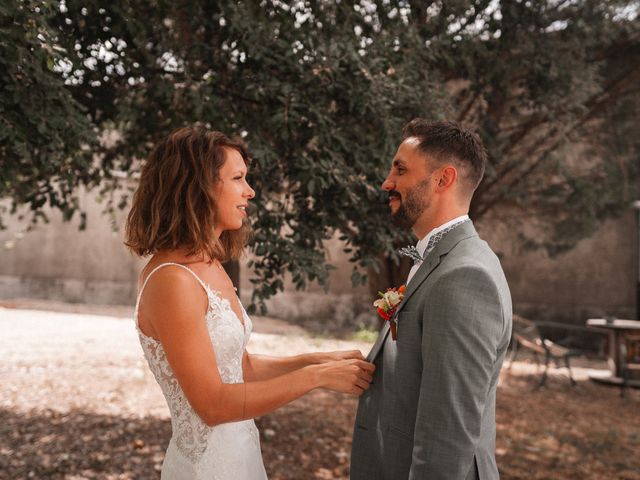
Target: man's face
[[408, 184]]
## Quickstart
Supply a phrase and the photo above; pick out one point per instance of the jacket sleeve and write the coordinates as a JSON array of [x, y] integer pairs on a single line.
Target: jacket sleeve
[[462, 323]]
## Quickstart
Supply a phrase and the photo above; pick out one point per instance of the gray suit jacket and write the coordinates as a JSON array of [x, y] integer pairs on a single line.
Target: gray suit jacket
[[430, 411]]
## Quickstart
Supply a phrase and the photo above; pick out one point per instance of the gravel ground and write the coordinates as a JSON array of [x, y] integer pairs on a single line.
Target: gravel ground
[[78, 402]]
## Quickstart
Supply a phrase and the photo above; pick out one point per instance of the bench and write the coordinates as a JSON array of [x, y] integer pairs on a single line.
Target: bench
[[528, 335]]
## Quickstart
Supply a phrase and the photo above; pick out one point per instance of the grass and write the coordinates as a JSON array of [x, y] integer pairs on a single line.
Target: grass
[[365, 335]]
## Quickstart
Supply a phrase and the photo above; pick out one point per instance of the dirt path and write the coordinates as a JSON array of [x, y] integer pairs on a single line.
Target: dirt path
[[77, 401]]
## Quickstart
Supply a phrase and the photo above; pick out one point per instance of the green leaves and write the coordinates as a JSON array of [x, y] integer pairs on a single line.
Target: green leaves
[[45, 132], [320, 92]]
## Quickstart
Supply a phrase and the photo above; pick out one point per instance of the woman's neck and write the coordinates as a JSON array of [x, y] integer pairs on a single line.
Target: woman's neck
[[181, 255]]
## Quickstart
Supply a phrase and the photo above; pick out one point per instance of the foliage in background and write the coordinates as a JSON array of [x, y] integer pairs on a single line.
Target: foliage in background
[[320, 90], [46, 140]]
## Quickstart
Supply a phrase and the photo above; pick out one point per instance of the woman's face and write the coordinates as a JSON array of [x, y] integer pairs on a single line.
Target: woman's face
[[232, 193]]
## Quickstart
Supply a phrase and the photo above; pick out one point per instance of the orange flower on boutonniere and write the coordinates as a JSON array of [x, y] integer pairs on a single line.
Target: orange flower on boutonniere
[[387, 304]]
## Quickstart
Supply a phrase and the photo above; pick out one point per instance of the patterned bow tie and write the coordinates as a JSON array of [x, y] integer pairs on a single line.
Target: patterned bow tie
[[411, 252], [436, 237]]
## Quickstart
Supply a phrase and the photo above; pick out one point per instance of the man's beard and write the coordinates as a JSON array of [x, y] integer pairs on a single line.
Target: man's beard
[[410, 209]]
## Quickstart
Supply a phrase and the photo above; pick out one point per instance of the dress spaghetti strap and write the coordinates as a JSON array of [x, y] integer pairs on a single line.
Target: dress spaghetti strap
[[144, 284]]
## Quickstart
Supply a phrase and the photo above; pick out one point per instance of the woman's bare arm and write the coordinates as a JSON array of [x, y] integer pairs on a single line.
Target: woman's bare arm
[[175, 306], [263, 367]]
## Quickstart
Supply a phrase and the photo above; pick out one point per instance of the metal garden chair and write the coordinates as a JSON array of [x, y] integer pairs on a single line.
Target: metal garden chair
[[528, 335]]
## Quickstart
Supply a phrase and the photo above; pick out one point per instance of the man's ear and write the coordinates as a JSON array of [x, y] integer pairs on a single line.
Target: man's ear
[[447, 177]]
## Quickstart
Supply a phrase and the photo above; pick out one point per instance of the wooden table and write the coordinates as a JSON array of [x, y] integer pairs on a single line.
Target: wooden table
[[617, 329]]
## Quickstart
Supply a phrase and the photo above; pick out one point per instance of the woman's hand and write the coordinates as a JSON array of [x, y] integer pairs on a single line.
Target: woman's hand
[[324, 357], [351, 376]]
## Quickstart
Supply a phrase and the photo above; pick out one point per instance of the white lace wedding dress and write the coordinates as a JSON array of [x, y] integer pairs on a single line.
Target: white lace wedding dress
[[197, 451]]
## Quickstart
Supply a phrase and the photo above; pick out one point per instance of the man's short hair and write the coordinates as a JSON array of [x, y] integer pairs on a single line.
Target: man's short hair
[[446, 141]]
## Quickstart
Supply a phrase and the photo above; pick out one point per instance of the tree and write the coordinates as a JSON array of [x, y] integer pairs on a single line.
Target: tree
[[320, 91], [45, 138]]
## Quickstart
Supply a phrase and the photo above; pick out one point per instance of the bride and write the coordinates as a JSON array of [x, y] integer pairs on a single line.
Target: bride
[[189, 214]]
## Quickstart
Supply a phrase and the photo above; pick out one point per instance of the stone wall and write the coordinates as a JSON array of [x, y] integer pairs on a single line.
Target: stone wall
[[596, 278], [58, 262]]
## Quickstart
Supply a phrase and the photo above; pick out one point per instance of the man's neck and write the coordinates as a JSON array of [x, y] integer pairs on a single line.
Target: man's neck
[[422, 229]]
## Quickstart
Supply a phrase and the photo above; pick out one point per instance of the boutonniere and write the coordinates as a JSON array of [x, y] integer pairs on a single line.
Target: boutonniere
[[387, 305]]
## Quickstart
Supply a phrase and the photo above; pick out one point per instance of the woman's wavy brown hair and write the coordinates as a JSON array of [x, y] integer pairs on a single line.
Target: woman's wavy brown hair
[[174, 206]]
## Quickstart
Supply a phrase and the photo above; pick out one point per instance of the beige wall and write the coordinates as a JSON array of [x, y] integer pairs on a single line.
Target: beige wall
[[597, 277], [59, 262], [56, 261]]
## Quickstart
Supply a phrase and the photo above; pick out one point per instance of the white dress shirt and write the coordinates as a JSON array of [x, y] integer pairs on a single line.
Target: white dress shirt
[[421, 246]]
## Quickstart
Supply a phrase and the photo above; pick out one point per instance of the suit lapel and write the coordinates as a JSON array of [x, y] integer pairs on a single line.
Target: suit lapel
[[455, 236], [450, 240], [428, 265], [382, 336]]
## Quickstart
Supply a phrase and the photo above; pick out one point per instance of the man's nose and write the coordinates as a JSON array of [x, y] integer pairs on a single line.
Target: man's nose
[[388, 185]]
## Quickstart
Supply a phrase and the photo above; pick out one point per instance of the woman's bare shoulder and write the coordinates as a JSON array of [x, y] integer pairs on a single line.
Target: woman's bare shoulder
[[171, 287]]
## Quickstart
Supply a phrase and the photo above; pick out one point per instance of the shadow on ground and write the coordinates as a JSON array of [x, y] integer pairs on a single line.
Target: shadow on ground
[[564, 432], [558, 432], [308, 439], [80, 444]]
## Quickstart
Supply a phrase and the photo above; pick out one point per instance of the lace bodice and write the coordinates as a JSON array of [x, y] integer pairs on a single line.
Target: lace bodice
[[194, 440]]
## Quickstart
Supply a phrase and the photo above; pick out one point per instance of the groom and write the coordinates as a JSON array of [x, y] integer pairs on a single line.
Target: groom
[[430, 411]]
